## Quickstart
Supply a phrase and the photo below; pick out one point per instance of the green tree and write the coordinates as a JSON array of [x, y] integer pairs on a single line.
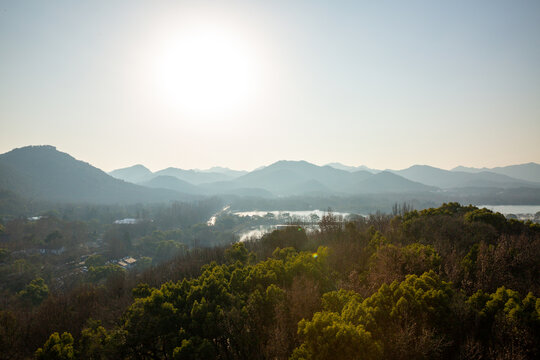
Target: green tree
[[98, 273], [57, 348], [402, 320], [96, 343], [237, 252], [35, 292], [328, 336]]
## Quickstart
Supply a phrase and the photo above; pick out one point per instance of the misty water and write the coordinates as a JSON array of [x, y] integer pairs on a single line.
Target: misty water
[[302, 214], [513, 209], [283, 215]]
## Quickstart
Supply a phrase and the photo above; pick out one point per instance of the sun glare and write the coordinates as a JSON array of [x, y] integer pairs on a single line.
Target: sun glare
[[207, 70]]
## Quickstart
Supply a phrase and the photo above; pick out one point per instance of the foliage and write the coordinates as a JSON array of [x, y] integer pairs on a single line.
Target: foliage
[[441, 283], [35, 292], [370, 327], [98, 273], [57, 347]]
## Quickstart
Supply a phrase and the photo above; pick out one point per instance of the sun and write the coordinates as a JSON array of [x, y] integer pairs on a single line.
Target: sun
[[207, 70]]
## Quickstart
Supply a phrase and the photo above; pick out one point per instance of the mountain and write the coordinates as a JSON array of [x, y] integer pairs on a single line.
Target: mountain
[[225, 171], [250, 192], [387, 182], [469, 169], [287, 178], [171, 183], [133, 174], [46, 174], [340, 166], [457, 179], [309, 187], [140, 174], [280, 176], [193, 176], [528, 172]]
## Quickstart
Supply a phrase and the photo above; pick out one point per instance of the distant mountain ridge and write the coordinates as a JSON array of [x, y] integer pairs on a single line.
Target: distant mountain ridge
[[340, 166], [223, 170], [287, 178], [171, 183], [445, 179], [139, 173], [44, 173], [529, 171]]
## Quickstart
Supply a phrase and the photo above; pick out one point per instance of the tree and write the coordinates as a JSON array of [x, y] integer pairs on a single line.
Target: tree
[[35, 292], [96, 343], [237, 252], [330, 223], [382, 325], [328, 336], [57, 348]]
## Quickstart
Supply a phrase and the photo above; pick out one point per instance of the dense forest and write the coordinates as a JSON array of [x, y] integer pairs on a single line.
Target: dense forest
[[454, 282]]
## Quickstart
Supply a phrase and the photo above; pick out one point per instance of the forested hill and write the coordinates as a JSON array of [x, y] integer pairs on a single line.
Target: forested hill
[[454, 282], [44, 173], [38, 174]]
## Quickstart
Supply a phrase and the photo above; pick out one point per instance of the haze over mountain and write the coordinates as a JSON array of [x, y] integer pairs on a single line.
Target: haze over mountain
[[458, 179], [171, 183], [136, 173], [193, 176], [387, 182], [223, 170], [139, 173], [286, 178], [340, 166], [301, 177], [529, 171], [44, 173]]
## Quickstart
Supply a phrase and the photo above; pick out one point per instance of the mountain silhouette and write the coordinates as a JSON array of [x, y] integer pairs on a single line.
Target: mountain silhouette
[[44, 173]]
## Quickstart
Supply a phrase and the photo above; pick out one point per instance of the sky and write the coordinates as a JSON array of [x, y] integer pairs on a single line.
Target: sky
[[195, 84]]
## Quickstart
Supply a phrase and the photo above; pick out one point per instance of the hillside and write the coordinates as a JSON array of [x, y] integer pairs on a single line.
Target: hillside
[[226, 171], [340, 166], [427, 282], [192, 176], [387, 182], [43, 173], [528, 172], [172, 183], [456, 179], [301, 177], [46, 174], [133, 174]]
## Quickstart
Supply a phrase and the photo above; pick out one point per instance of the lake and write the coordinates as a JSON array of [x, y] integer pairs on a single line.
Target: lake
[[304, 215], [512, 209], [264, 229], [296, 214]]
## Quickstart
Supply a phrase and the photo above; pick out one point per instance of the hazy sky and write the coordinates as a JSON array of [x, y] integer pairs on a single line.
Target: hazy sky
[[193, 84]]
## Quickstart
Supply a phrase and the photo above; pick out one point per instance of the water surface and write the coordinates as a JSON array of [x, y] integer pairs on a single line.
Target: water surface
[[512, 209]]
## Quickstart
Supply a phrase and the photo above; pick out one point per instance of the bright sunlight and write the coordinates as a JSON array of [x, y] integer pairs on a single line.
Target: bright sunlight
[[206, 70]]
